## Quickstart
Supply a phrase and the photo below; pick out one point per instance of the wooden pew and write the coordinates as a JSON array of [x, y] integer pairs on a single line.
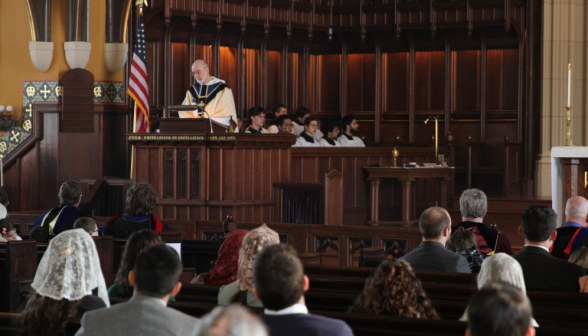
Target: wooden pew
[[18, 265]]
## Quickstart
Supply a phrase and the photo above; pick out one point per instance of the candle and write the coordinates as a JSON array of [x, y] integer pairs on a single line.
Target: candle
[[569, 82]]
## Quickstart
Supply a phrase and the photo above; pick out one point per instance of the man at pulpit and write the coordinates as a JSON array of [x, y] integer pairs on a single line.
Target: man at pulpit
[[211, 94], [473, 205]]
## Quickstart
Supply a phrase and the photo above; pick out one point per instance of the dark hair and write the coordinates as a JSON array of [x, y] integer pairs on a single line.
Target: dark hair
[[538, 223], [345, 121], [157, 270], [395, 290], [278, 276], [6, 223], [308, 120], [3, 196], [433, 221], [255, 111], [70, 192], [278, 107], [330, 125], [40, 234], [141, 200], [137, 242], [499, 309], [86, 223], [302, 111], [461, 240], [46, 316], [281, 119]]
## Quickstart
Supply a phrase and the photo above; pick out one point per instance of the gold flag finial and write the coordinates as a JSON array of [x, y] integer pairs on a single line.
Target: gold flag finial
[[142, 3], [569, 66]]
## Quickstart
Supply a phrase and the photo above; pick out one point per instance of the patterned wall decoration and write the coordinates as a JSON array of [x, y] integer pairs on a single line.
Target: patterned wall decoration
[[51, 91]]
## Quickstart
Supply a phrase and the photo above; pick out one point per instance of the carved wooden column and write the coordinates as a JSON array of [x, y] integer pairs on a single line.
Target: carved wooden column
[[375, 183], [443, 182], [406, 197]]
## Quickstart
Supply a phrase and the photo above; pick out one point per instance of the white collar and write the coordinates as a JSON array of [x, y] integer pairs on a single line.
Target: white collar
[[295, 309], [539, 246], [213, 80]]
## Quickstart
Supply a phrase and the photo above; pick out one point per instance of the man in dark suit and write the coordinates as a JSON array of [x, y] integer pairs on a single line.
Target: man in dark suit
[[280, 282], [155, 277], [541, 270], [573, 233], [431, 255]]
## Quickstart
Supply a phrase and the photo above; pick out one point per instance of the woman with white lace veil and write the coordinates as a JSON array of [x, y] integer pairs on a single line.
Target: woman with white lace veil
[[68, 283], [501, 268]]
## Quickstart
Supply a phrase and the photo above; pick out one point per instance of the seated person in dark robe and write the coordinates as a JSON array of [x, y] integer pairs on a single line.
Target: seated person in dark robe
[[572, 235], [138, 215], [65, 215], [473, 205]]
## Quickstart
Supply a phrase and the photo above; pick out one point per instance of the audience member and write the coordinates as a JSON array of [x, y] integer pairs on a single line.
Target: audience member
[[580, 258], [233, 320], [349, 128], [240, 124], [137, 242], [473, 205], [394, 290], [257, 119], [307, 139], [138, 214], [241, 290], [280, 284], [543, 271], [332, 130], [431, 255], [40, 234], [497, 268], [572, 234], [8, 230], [155, 278], [500, 310], [279, 111], [64, 216], [464, 243], [68, 283], [88, 224], [227, 263], [301, 114], [283, 125]]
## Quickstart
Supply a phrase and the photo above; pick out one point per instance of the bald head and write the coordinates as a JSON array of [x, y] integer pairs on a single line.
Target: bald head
[[200, 71], [577, 210], [433, 224]]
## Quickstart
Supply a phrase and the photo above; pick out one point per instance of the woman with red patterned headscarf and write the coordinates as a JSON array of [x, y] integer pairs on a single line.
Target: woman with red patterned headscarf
[[227, 264]]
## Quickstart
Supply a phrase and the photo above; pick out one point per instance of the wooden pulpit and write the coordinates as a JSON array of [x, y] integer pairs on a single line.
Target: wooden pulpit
[[199, 175]]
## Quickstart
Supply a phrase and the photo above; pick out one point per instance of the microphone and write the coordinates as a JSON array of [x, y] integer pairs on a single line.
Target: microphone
[[203, 110]]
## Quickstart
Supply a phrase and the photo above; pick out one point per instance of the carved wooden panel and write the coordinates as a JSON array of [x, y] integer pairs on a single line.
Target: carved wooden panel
[[194, 173], [78, 101], [168, 173], [181, 173], [328, 249], [353, 246]]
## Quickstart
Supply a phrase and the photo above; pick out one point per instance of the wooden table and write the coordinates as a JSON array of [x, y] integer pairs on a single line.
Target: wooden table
[[406, 176]]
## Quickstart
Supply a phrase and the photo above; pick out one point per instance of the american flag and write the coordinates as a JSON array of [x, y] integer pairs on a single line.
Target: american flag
[[138, 88]]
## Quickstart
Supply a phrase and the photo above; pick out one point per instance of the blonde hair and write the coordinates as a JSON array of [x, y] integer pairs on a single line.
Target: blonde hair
[[580, 257]]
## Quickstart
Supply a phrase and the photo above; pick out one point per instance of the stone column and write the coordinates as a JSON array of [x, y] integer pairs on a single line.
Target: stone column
[[565, 39]]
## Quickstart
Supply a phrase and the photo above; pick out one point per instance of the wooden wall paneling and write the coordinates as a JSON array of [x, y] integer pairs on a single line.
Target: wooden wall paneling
[[228, 68], [306, 73], [483, 67], [328, 95], [368, 83], [181, 78], [284, 57], [396, 88], [345, 75], [294, 94], [493, 77], [76, 160], [422, 81], [410, 91], [448, 85], [263, 67], [466, 84], [437, 80], [216, 49], [379, 88], [48, 159], [241, 75], [274, 80], [13, 186], [167, 77], [228, 181]]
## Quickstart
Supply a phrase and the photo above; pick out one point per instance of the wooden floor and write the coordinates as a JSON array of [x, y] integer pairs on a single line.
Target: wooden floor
[[505, 212]]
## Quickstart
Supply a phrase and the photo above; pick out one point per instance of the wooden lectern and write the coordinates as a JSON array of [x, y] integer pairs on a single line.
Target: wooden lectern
[[194, 125]]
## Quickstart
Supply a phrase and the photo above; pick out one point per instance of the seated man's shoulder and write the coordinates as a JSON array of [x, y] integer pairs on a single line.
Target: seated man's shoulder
[[307, 323]]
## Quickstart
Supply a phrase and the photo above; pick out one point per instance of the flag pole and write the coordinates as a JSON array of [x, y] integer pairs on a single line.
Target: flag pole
[[133, 146]]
